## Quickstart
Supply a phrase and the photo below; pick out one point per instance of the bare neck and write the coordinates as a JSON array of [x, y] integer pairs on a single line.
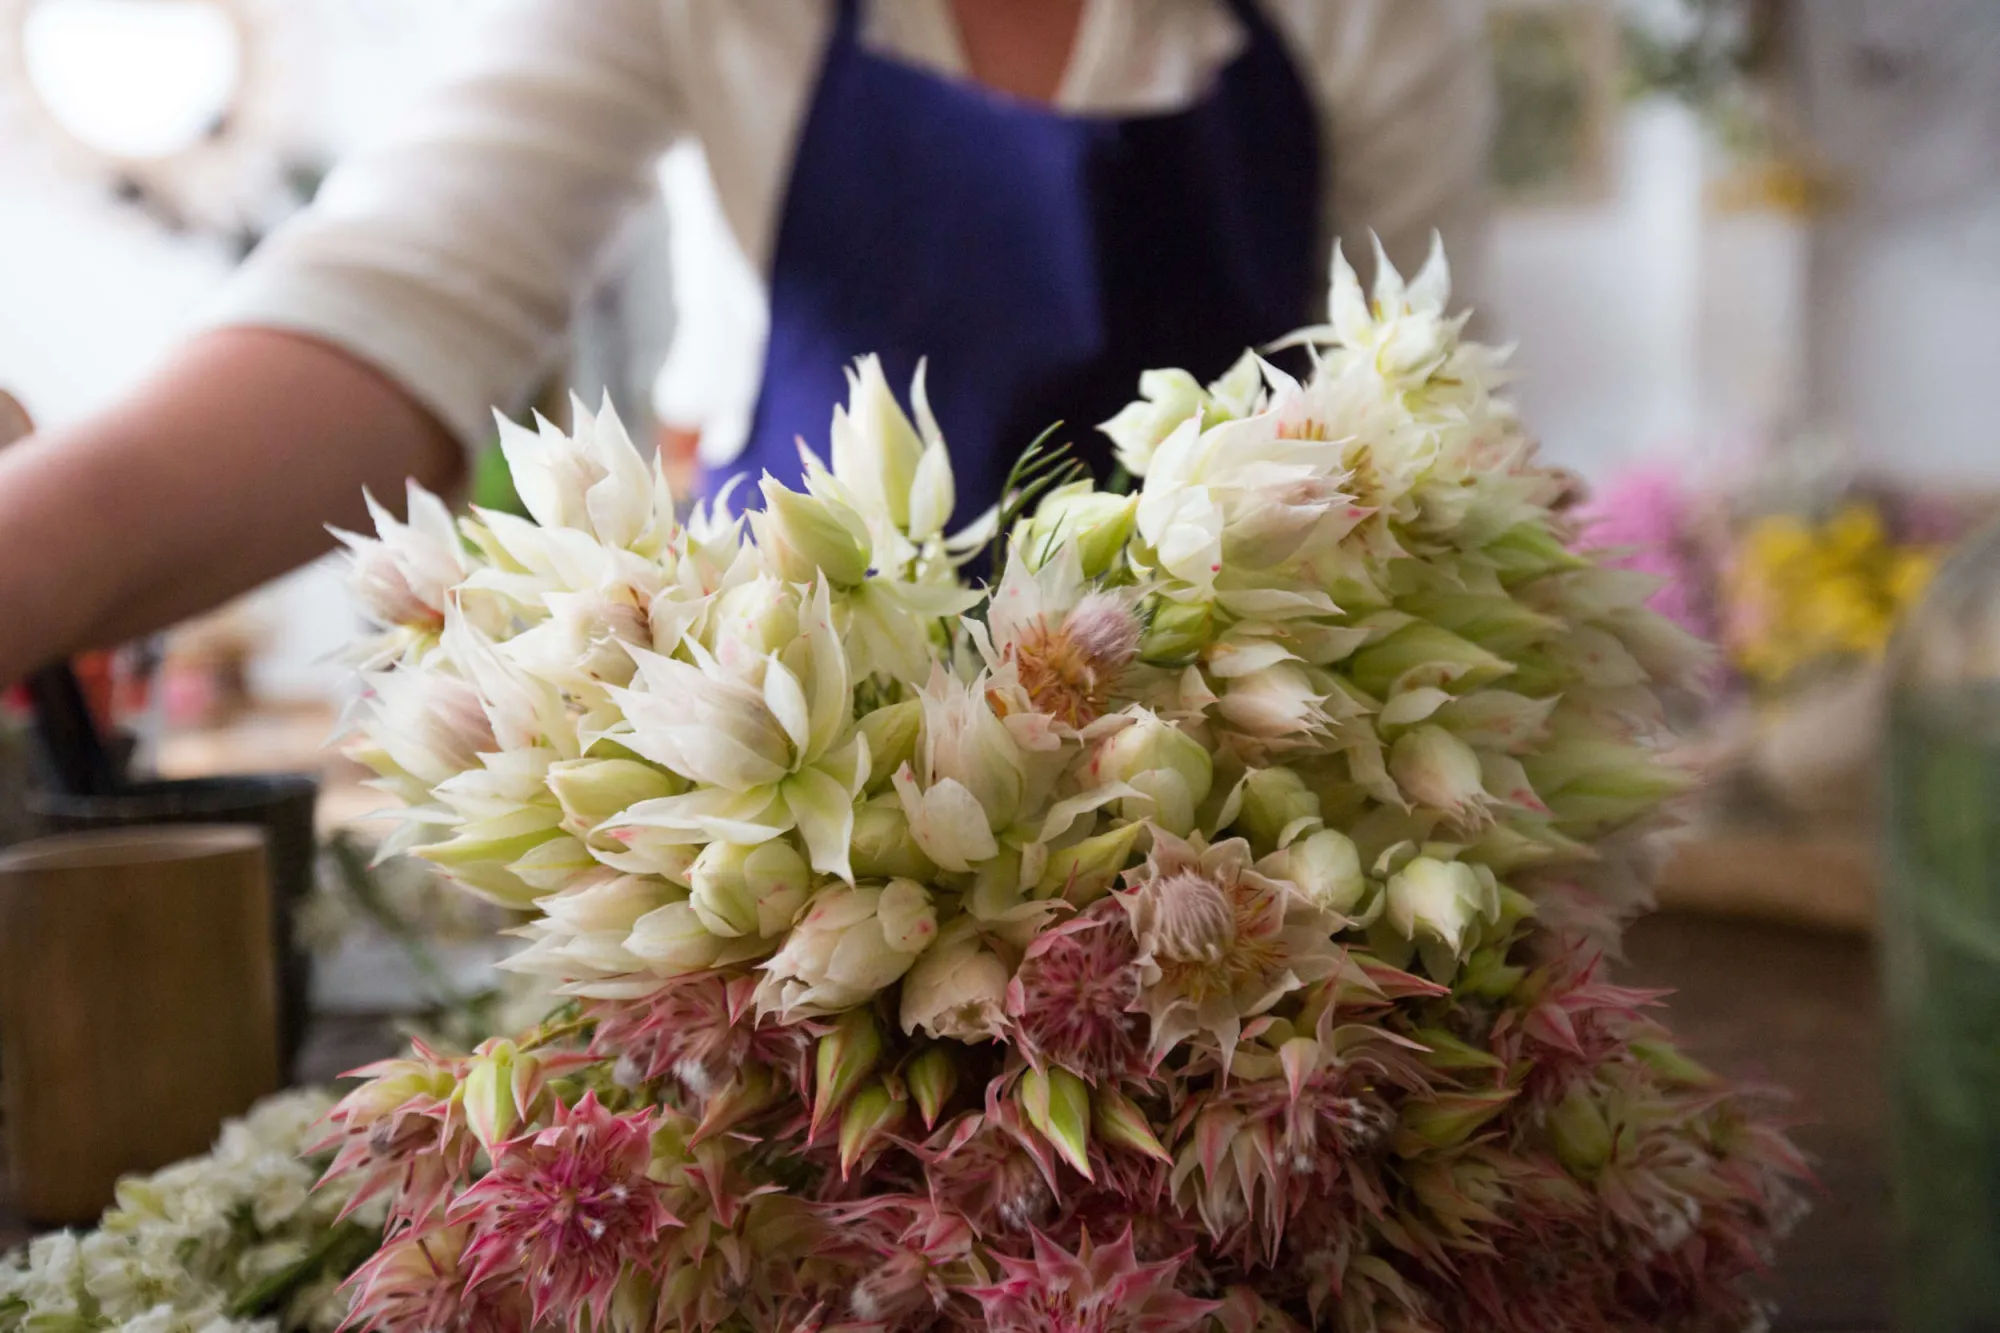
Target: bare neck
[[1019, 47]]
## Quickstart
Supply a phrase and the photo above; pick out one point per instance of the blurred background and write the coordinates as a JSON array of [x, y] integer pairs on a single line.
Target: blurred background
[[1750, 250]]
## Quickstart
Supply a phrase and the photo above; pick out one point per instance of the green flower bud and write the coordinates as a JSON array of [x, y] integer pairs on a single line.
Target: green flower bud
[[892, 733], [1057, 1104], [1448, 1120], [1277, 807], [1172, 768], [874, 1112], [1118, 1120], [592, 791], [1097, 523], [1419, 656], [881, 846], [1581, 1133], [804, 536], [1437, 899], [1085, 871], [1325, 867], [738, 890], [1177, 632], [932, 1077], [492, 1108], [843, 1058]]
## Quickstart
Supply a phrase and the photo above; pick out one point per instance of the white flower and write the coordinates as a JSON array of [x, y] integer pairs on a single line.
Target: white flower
[[1441, 900], [971, 777], [403, 575], [1170, 768], [421, 727], [805, 536], [592, 480], [1168, 398], [957, 988], [898, 476], [851, 943], [768, 752], [756, 891], [1057, 645]]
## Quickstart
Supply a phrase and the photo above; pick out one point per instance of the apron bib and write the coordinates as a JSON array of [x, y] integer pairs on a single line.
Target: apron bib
[[1040, 261]]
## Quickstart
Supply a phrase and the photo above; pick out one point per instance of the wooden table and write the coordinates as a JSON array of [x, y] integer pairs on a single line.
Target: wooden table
[[1776, 1003], [1798, 1008]]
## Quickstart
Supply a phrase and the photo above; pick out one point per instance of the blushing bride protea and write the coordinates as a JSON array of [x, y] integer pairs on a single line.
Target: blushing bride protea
[[1198, 928]]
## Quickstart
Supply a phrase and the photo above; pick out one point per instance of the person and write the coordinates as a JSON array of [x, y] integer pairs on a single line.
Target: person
[[1042, 197]]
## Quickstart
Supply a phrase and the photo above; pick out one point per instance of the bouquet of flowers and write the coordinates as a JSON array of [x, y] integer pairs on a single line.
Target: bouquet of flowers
[[238, 1241], [1197, 926]]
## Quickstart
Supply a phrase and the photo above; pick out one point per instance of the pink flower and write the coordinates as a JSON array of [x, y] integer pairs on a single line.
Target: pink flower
[[1072, 998], [701, 1029], [1099, 1289], [403, 1133], [1574, 1024], [1219, 943], [994, 1171], [568, 1209], [416, 1284]]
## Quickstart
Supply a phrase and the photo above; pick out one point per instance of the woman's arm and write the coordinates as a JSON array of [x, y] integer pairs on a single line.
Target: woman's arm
[[220, 472]]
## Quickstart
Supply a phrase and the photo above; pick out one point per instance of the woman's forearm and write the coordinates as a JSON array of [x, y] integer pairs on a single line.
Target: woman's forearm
[[220, 472]]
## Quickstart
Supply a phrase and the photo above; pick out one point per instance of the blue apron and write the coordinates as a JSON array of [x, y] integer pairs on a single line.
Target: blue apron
[[1040, 261]]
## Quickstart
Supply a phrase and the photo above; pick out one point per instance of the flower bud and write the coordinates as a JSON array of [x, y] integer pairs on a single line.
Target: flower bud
[[841, 1060], [749, 1091], [1167, 398], [1057, 1104], [1581, 1134], [1438, 899], [1277, 807], [1436, 769], [1671, 1064], [1118, 1120], [908, 920], [851, 943], [491, 1095], [958, 988], [398, 1083], [1172, 768], [881, 846], [1421, 655], [874, 1112], [740, 890], [931, 1077], [591, 791], [1096, 523], [672, 940], [1084, 871], [1448, 1120], [892, 733], [1177, 632], [804, 536], [1325, 867]]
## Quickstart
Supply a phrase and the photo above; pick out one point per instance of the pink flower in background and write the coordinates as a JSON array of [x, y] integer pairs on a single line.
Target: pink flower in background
[[1649, 512], [568, 1210]]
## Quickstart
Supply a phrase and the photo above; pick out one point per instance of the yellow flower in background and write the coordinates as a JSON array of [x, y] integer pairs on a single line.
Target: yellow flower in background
[[1801, 594]]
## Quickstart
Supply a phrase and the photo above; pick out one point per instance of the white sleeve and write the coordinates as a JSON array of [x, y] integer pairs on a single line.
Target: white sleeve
[[1407, 96], [449, 255]]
